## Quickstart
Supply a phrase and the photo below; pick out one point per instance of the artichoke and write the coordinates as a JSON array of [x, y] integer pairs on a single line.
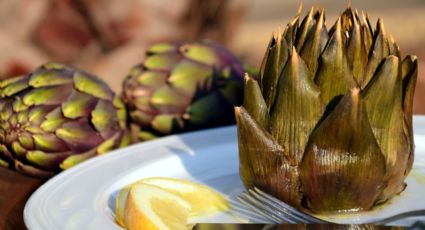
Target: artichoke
[[57, 117], [180, 88], [327, 127]]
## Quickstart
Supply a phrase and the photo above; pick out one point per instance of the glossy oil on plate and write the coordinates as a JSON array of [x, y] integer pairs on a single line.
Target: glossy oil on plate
[[83, 197]]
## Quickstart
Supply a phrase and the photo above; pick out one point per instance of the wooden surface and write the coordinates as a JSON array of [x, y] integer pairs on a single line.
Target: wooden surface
[[15, 189]]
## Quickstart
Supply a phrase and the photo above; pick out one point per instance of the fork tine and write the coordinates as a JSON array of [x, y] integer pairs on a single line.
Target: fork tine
[[283, 211], [279, 205], [256, 209], [278, 216]]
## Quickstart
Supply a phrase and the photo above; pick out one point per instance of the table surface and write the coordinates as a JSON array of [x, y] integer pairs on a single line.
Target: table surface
[[15, 189]]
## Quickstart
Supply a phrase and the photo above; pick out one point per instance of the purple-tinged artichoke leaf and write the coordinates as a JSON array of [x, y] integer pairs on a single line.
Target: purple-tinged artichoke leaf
[[4, 163], [343, 167], [26, 140], [334, 76], [263, 162], [19, 150], [79, 135], [49, 143], [146, 136], [13, 86], [169, 100], [383, 98], [167, 123], [78, 105], [50, 95], [162, 48], [45, 160], [188, 75], [164, 61], [19, 106], [32, 171], [48, 78], [6, 111], [75, 159], [104, 117], [92, 86], [37, 114], [53, 120], [297, 108], [152, 79], [254, 103], [200, 53], [109, 144], [5, 154]]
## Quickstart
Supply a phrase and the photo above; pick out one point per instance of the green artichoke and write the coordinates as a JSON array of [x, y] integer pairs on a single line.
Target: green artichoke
[[328, 125], [180, 88], [55, 118]]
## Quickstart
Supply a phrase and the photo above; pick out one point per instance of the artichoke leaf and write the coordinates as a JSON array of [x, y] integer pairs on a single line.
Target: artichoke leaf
[[263, 162], [49, 143], [297, 109], [306, 26], [48, 78], [78, 105], [14, 86], [200, 53], [273, 66], [315, 43], [187, 75], [75, 159], [254, 103], [343, 167], [380, 49], [53, 120], [49, 95], [334, 76], [161, 48], [167, 123], [410, 76], [204, 111], [102, 118], [32, 171], [357, 52], [45, 160], [92, 86], [383, 98], [79, 135]]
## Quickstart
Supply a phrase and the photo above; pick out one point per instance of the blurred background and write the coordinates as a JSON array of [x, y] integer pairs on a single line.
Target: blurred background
[[108, 37]]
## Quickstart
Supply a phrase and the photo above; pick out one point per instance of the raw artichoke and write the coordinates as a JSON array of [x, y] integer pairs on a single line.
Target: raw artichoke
[[328, 125], [57, 117], [181, 88]]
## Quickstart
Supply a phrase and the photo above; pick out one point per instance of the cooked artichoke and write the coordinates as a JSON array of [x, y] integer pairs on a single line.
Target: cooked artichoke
[[328, 125], [57, 117]]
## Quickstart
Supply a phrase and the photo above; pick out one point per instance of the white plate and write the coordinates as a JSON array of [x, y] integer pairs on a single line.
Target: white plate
[[83, 197]]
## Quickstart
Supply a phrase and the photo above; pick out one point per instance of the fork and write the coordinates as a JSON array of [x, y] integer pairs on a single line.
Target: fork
[[276, 211]]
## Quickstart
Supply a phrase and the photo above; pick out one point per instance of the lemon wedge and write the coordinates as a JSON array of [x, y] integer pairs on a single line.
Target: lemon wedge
[[140, 204], [149, 207], [203, 199]]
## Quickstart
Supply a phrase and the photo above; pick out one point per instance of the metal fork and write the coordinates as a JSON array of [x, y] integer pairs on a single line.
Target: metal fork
[[279, 212]]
